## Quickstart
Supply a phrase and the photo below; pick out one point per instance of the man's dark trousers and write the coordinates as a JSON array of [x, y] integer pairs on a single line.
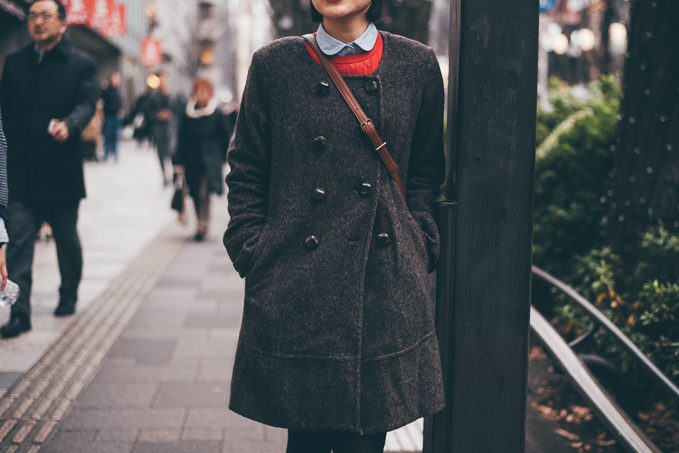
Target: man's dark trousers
[[23, 222]]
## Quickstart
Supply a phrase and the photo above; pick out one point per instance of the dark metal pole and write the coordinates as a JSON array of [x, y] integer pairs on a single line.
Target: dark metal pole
[[483, 294]]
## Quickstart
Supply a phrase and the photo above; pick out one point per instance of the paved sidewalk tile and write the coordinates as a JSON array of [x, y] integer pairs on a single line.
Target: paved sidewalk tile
[[164, 384], [124, 211], [193, 394]]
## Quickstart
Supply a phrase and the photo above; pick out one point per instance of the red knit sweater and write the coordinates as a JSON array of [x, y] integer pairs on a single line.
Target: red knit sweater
[[363, 63]]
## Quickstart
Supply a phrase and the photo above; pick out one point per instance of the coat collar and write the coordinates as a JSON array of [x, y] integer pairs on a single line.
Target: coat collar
[[63, 49]]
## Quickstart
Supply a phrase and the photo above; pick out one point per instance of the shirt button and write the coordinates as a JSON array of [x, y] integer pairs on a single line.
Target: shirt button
[[311, 242], [318, 194], [371, 86], [383, 239], [320, 143], [323, 88], [365, 189]]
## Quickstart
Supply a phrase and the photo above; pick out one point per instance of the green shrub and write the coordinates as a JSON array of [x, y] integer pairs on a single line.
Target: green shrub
[[572, 177], [648, 313], [572, 180]]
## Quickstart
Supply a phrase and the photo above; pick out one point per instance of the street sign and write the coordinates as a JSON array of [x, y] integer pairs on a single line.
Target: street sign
[[547, 5], [151, 54]]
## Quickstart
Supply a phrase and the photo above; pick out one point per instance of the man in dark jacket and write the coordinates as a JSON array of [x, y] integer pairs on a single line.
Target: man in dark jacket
[[48, 93]]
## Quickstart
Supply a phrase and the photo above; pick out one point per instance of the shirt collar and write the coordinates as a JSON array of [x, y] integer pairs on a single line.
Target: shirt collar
[[332, 46]]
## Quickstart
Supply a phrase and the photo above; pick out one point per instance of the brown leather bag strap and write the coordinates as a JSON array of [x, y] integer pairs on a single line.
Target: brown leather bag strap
[[365, 122]]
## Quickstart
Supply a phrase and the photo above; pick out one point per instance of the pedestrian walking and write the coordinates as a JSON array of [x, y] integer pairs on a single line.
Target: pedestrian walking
[[48, 94], [139, 118], [3, 204], [204, 135], [337, 342], [165, 109], [113, 115]]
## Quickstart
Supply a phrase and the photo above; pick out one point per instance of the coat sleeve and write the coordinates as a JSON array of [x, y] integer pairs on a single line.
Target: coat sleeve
[[226, 131], [4, 85], [249, 157], [3, 175], [86, 101], [426, 169], [182, 142]]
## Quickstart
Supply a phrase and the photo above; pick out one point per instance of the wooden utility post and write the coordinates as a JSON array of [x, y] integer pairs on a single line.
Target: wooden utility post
[[483, 291]]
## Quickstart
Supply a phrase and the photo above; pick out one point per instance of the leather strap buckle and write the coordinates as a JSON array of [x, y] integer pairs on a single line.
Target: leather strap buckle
[[364, 123]]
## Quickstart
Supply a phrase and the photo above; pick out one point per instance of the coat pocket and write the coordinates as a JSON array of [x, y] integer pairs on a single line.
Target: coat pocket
[[256, 253]]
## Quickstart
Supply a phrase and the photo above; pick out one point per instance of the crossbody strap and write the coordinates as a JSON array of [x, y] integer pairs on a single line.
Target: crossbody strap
[[365, 122]]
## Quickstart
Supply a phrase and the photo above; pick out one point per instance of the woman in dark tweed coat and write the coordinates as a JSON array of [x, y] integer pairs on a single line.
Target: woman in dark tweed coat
[[337, 342]]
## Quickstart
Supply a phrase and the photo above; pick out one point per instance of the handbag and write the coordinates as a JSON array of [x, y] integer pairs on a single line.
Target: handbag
[[366, 123], [178, 197]]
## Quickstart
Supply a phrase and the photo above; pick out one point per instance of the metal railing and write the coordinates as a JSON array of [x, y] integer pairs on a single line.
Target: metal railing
[[603, 322], [627, 432]]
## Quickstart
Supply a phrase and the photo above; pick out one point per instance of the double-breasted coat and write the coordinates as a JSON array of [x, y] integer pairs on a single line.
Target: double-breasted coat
[[337, 331]]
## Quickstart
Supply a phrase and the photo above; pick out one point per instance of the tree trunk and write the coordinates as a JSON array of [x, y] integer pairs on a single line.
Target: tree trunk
[[646, 174]]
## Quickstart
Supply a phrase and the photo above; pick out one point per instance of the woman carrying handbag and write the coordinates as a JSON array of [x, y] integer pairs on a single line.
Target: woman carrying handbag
[[331, 197]]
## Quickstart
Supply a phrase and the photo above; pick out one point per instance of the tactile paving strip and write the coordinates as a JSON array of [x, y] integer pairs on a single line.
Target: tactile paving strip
[[31, 409]]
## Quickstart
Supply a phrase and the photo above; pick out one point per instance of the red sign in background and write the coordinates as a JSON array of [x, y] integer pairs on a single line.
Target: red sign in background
[[151, 53], [116, 25], [106, 16]]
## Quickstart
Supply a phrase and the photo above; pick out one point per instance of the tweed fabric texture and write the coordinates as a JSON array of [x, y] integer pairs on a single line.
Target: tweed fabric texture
[[339, 336]]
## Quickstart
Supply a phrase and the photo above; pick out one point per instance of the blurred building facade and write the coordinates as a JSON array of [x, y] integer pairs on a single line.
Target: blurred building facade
[[214, 39]]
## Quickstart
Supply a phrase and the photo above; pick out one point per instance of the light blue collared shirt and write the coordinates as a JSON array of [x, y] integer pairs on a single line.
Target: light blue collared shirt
[[332, 46]]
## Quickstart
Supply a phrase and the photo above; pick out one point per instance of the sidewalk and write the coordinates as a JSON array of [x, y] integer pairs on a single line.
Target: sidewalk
[[125, 209], [145, 364]]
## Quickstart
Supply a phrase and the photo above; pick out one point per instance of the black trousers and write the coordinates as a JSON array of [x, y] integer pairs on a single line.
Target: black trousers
[[337, 442], [23, 223]]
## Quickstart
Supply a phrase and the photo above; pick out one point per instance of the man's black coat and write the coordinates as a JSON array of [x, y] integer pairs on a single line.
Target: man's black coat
[[63, 86]]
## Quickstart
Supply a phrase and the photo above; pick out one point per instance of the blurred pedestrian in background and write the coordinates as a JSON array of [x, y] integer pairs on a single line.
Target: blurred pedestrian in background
[[337, 342], [48, 94], [113, 115], [204, 135], [3, 204], [139, 118], [165, 110]]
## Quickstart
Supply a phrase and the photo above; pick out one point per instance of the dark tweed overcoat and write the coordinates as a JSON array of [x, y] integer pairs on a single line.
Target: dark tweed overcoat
[[337, 331]]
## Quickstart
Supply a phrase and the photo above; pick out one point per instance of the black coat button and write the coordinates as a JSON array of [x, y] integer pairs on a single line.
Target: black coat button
[[311, 242], [323, 88], [365, 189], [370, 86], [320, 143], [318, 194], [383, 239]]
